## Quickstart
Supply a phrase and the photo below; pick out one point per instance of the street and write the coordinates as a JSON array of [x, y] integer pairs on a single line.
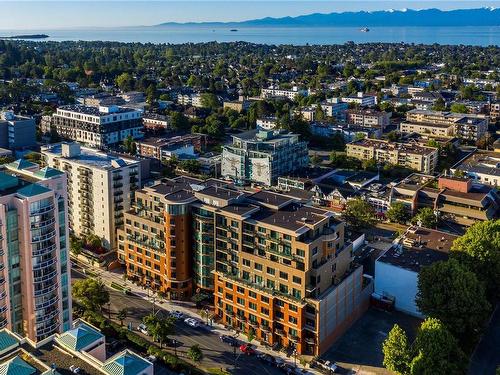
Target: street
[[215, 353]]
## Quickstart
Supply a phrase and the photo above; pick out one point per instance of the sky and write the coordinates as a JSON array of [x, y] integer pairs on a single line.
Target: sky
[[41, 14]]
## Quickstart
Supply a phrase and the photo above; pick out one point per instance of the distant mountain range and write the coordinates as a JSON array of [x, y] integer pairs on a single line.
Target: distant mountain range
[[404, 17]]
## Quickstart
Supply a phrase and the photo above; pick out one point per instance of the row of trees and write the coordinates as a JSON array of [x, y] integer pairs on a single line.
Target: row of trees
[[457, 295]]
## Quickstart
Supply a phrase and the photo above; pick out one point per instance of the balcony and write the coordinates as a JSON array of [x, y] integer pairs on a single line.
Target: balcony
[[3, 295], [117, 177], [51, 288], [42, 224], [42, 210], [310, 340], [154, 245], [118, 185], [45, 278], [47, 303], [44, 237], [48, 329], [45, 264], [2, 266], [2, 281], [3, 323], [46, 317], [44, 251], [3, 308]]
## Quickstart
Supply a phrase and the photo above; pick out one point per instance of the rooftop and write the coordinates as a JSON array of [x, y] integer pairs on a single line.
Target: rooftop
[[270, 199], [411, 148], [419, 247], [80, 337], [94, 111], [126, 363], [482, 162], [91, 157]]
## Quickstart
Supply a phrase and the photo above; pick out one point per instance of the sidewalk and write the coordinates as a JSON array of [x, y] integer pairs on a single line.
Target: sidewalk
[[187, 308]]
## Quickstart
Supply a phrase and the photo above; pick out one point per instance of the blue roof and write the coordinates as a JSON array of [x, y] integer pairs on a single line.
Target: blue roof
[[7, 181], [126, 363], [16, 366], [33, 190], [7, 340], [80, 337], [47, 172], [22, 164]]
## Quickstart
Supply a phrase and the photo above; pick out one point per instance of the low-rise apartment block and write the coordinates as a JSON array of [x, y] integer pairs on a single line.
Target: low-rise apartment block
[[267, 123], [454, 199], [368, 118], [259, 156], [481, 166], [155, 122], [35, 287], [100, 188], [361, 99], [276, 92], [495, 111], [445, 124], [420, 158], [163, 148], [95, 127], [335, 108]]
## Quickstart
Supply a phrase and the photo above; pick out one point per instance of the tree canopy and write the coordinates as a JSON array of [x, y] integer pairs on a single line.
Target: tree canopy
[[91, 293], [359, 214]]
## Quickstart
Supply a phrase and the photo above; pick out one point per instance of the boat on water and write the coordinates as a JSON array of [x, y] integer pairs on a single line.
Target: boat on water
[[364, 29], [233, 30]]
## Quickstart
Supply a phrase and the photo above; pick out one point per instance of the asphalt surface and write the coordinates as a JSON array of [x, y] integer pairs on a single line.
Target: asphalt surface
[[215, 353]]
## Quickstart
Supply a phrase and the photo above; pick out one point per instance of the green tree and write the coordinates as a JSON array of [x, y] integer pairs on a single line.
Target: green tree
[[75, 245], [359, 214], [436, 351], [209, 100], [195, 353], [124, 82], [178, 121], [459, 108], [93, 240], [34, 157], [426, 217], [449, 292], [129, 145], [91, 294], [396, 350], [439, 105], [316, 160], [191, 166], [159, 328], [479, 251], [398, 213], [122, 315]]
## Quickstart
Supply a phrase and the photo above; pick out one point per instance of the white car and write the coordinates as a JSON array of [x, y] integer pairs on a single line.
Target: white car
[[143, 329], [192, 322], [74, 369], [151, 358], [177, 314]]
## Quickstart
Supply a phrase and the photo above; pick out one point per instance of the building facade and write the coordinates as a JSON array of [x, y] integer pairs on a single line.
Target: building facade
[[262, 156], [368, 118], [100, 188], [420, 158], [445, 124], [95, 127], [276, 92], [35, 287], [16, 132]]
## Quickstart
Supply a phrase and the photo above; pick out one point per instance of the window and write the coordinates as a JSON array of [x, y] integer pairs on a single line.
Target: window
[[264, 311], [296, 293], [252, 306], [245, 275], [229, 285], [270, 284], [283, 275], [292, 308], [315, 251], [284, 288], [240, 301], [271, 271], [292, 319], [241, 290], [297, 280], [264, 299], [246, 262], [252, 294], [258, 266], [301, 253]]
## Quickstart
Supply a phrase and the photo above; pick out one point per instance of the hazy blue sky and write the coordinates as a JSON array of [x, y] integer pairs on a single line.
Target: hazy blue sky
[[40, 14]]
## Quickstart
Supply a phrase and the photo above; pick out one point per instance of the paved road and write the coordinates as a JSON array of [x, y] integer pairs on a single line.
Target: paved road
[[486, 357], [216, 354]]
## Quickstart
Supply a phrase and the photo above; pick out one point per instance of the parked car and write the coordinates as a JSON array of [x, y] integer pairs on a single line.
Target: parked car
[[229, 340], [177, 314], [279, 362], [247, 349], [267, 358], [192, 322], [151, 358], [287, 369], [326, 365], [74, 369], [143, 329]]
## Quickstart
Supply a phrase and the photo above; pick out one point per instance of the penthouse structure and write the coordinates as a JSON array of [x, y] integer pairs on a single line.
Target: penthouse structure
[[35, 288], [481, 166], [163, 148], [368, 118], [100, 188], [453, 199], [96, 127], [260, 156], [420, 158], [445, 124], [361, 99]]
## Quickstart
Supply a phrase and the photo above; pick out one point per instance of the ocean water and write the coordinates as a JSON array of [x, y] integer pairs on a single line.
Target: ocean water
[[481, 36]]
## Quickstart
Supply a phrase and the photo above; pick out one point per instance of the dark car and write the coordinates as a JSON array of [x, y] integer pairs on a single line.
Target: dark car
[[229, 340], [266, 358]]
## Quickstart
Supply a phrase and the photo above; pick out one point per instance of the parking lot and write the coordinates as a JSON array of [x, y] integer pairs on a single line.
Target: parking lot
[[360, 348]]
